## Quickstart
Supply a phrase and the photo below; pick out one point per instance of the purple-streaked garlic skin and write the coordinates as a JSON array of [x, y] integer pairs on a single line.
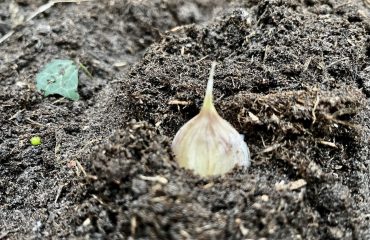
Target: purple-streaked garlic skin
[[208, 144]]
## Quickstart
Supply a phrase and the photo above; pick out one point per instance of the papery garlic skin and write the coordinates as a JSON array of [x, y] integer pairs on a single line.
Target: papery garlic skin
[[208, 144]]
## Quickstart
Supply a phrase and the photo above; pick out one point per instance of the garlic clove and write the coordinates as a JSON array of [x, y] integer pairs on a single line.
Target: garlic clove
[[207, 143]]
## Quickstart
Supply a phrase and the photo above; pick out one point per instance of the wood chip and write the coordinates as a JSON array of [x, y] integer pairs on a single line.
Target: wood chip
[[119, 64], [282, 186], [330, 144], [243, 230], [208, 185], [159, 179], [178, 102], [87, 222], [133, 226], [271, 148], [253, 117], [297, 184], [265, 198]]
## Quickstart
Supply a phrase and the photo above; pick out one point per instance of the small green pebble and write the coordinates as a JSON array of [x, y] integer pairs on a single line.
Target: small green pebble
[[35, 141]]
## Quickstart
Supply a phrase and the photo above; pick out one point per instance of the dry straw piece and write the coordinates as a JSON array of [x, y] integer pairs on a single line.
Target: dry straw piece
[[208, 144]]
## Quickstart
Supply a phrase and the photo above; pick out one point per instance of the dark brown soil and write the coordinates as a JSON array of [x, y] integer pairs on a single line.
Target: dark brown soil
[[292, 76]]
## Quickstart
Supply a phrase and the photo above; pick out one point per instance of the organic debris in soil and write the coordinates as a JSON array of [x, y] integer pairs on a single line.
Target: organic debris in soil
[[282, 81], [141, 191]]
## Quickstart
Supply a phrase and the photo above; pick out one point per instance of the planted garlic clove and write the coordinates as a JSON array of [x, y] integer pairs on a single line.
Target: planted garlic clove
[[207, 143]]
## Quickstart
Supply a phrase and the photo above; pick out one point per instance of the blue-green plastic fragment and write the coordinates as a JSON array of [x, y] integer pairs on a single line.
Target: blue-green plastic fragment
[[59, 77]]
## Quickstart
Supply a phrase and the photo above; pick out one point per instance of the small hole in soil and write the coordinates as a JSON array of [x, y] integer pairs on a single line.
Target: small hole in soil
[[354, 19], [309, 3], [220, 207], [190, 111]]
